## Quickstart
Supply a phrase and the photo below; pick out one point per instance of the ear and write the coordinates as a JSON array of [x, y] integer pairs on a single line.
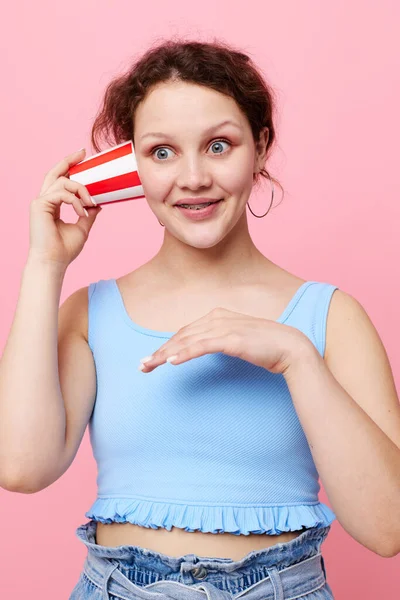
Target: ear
[[261, 150]]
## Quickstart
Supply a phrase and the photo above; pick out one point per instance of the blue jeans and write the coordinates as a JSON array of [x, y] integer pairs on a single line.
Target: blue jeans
[[285, 571]]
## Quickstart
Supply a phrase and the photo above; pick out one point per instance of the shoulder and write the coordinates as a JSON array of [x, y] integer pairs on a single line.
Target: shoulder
[[358, 360], [348, 325], [74, 311]]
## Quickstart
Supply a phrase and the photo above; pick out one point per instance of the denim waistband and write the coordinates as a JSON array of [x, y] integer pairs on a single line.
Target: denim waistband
[[289, 570]]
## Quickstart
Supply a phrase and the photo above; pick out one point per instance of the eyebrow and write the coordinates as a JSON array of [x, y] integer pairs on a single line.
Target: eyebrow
[[207, 132]]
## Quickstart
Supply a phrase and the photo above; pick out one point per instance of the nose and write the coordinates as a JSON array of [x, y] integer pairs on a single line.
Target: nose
[[193, 173]]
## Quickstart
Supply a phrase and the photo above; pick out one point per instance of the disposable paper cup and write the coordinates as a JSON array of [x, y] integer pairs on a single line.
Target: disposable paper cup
[[111, 175]]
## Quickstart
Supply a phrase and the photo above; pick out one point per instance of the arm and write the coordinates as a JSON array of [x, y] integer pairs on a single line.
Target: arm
[[347, 406], [350, 414], [46, 393]]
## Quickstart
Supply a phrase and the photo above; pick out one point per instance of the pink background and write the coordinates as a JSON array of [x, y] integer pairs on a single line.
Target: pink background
[[336, 69]]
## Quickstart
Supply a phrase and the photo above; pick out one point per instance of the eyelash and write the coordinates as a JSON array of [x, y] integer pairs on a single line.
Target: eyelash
[[213, 142]]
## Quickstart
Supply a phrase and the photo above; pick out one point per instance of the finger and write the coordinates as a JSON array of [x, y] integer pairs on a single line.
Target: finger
[[219, 322], [227, 344], [182, 337], [178, 340], [158, 357], [61, 168], [207, 318], [214, 318], [80, 191], [86, 223], [194, 347], [75, 188], [54, 200], [218, 325]]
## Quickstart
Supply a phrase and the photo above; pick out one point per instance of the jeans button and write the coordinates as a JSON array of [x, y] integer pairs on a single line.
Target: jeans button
[[199, 572]]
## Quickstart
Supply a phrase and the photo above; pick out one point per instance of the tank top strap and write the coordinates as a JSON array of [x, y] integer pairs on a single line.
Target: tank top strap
[[102, 309], [310, 312]]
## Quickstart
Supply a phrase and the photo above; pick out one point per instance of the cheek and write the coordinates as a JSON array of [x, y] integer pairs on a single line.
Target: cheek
[[234, 176], [156, 182]]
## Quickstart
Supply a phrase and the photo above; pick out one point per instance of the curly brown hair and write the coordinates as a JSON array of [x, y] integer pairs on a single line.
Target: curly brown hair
[[216, 65]]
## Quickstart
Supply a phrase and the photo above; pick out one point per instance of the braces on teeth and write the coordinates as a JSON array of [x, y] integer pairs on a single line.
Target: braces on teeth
[[195, 206]]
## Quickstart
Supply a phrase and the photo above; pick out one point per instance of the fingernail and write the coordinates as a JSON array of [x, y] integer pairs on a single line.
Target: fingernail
[[93, 200], [86, 212], [172, 358], [141, 367], [146, 359]]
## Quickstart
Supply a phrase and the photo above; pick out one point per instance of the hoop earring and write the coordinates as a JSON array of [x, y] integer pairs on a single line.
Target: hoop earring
[[272, 199], [162, 224]]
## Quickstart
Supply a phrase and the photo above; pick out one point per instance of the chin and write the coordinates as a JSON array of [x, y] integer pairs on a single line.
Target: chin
[[206, 234], [202, 244], [202, 241]]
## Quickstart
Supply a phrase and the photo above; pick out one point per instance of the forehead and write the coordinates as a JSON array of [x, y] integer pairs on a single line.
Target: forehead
[[178, 103]]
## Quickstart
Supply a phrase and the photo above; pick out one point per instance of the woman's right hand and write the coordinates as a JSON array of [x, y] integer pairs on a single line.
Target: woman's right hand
[[51, 239]]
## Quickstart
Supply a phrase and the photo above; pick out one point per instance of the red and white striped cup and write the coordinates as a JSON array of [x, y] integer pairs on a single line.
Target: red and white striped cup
[[111, 175]]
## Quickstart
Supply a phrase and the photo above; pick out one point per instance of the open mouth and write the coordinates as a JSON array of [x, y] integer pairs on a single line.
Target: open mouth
[[200, 211], [196, 207]]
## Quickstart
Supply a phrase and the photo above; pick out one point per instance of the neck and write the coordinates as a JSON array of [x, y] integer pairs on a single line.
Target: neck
[[234, 260]]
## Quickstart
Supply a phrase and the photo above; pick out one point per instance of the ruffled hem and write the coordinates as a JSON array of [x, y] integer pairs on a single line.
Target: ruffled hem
[[239, 520]]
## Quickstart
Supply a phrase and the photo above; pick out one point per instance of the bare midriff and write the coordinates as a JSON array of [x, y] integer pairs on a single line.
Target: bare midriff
[[178, 542]]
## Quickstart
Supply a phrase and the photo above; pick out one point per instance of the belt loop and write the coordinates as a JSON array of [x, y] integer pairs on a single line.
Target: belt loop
[[107, 576], [276, 583], [323, 566], [212, 592]]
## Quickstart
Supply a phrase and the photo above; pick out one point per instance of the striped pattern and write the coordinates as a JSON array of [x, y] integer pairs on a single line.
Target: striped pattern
[[111, 175]]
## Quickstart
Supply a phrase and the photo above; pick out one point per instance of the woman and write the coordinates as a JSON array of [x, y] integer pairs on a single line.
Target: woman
[[216, 387]]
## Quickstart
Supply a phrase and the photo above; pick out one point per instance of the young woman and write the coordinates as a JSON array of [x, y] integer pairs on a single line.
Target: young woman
[[217, 386]]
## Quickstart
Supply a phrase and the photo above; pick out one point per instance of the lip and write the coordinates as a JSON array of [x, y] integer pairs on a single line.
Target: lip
[[201, 214], [196, 200]]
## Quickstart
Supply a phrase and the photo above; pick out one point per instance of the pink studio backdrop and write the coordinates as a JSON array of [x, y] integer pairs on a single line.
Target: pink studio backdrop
[[336, 69]]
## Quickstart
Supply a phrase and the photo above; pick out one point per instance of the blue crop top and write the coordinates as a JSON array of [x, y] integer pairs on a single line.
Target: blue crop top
[[213, 444]]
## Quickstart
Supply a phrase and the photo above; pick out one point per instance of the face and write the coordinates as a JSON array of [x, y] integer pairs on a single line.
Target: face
[[186, 149]]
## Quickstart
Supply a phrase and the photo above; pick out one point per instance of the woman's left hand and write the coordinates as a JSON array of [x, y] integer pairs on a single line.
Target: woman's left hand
[[262, 342]]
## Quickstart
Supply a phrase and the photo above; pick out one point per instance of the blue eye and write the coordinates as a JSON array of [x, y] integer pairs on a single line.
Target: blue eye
[[165, 149], [218, 143], [161, 148]]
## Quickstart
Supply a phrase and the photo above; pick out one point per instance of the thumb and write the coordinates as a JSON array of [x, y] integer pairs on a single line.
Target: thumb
[[87, 222]]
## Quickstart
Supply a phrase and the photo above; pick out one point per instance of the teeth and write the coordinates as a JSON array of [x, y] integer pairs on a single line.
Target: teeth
[[195, 206]]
